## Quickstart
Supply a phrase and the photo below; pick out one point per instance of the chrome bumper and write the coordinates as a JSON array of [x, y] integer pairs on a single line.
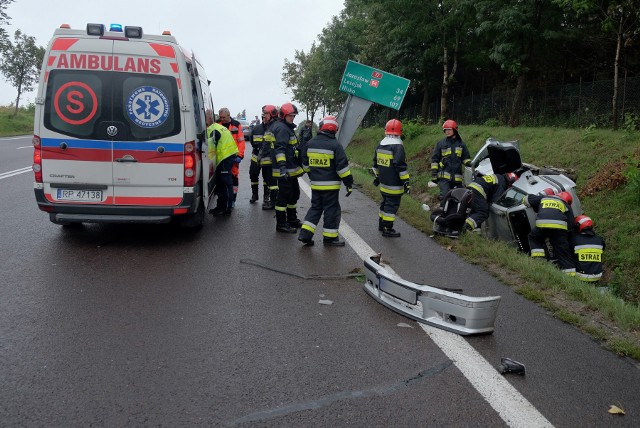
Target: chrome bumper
[[457, 313]]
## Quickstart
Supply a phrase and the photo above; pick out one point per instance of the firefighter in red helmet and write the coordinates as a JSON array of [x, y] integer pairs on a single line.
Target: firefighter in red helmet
[[285, 157], [554, 221], [326, 163], [587, 250], [449, 157], [390, 169], [269, 117]]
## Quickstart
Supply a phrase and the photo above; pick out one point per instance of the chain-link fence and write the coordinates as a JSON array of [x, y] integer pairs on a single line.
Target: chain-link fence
[[573, 105]]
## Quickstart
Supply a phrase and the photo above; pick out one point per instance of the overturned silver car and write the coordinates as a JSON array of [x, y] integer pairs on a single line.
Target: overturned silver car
[[510, 220]]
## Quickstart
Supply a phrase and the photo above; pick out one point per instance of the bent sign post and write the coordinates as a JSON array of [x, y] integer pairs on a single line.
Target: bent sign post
[[366, 85]]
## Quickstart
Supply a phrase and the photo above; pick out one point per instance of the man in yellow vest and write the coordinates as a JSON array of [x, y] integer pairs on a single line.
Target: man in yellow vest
[[222, 148]]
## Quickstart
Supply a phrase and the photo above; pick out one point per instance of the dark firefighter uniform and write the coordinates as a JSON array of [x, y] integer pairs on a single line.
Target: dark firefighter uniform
[[485, 190], [447, 161], [266, 163], [326, 163], [587, 254], [552, 222], [224, 150], [287, 168], [257, 140], [390, 167]]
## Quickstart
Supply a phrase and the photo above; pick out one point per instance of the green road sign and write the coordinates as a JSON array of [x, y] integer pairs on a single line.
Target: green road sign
[[374, 85]]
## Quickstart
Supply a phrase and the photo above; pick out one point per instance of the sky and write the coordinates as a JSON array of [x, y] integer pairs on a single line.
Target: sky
[[242, 44]]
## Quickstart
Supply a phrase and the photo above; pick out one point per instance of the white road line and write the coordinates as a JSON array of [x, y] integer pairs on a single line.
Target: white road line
[[15, 172], [512, 407], [14, 138], [24, 147]]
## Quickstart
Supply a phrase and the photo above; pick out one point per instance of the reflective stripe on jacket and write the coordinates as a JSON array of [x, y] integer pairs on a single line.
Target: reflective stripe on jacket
[[587, 255], [448, 158], [390, 164], [553, 212], [285, 149], [324, 159]]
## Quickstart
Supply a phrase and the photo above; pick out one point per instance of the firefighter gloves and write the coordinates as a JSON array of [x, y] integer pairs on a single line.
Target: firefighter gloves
[[376, 182], [349, 191], [407, 187]]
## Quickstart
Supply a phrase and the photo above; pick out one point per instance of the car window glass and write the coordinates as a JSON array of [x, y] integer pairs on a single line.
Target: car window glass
[[511, 197]]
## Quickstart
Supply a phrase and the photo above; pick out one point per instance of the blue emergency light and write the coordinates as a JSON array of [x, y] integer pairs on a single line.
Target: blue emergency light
[[116, 27]]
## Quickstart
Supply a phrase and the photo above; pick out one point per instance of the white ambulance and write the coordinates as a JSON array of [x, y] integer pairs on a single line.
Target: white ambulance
[[120, 132]]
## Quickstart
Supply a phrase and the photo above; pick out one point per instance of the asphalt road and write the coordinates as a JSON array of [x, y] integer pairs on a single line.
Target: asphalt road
[[124, 325]]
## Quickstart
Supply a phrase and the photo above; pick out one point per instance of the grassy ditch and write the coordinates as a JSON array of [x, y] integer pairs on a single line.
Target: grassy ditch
[[605, 165], [16, 124]]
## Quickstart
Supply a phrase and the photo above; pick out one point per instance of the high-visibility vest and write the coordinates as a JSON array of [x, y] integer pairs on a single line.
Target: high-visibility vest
[[225, 147]]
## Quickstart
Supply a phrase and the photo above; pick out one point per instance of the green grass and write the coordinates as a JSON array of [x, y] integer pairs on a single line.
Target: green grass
[[616, 214], [20, 124]]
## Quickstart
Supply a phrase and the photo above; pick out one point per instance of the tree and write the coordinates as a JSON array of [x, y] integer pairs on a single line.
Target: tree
[[4, 18], [20, 63], [618, 17]]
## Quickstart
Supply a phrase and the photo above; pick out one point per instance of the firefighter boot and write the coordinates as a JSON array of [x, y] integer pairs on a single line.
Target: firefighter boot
[[306, 237], [388, 230], [254, 194], [292, 218], [269, 202], [333, 242], [281, 223]]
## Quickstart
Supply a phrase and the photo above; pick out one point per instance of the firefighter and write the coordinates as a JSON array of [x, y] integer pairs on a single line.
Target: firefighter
[[554, 218], [324, 159], [286, 169], [486, 189], [587, 250], [450, 155], [224, 150], [235, 128], [269, 117], [390, 169], [257, 140]]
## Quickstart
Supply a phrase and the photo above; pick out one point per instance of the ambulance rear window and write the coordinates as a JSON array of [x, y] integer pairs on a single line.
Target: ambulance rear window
[[92, 104]]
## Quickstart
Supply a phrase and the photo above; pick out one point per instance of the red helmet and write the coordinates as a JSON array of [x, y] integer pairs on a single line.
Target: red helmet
[[270, 110], [450, 124], [393, 127], [511, 177], [329, 124], [287, 108], [583, 222], [548, 191], [566, 196]]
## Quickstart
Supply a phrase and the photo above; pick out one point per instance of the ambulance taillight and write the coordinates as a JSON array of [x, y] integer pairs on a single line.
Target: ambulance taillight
[[189, 164], [37, 159]]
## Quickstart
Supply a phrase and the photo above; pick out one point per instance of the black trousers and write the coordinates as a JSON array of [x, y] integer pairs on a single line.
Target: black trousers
[[559, 240], [388, 209], [325, 202], [224, 188], [288, 193]]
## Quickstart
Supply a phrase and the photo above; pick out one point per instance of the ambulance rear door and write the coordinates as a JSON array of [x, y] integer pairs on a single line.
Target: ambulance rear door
[[147, 127], [76, 160]]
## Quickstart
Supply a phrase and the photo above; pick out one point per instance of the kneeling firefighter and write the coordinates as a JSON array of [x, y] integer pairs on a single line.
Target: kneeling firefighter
[[324, 159], [486, 189]]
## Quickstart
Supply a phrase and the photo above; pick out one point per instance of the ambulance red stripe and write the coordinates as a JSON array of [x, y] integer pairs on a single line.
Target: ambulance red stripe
[[63, 44]]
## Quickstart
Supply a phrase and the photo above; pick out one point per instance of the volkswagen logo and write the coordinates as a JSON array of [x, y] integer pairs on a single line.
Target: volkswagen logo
[[112, 131]]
